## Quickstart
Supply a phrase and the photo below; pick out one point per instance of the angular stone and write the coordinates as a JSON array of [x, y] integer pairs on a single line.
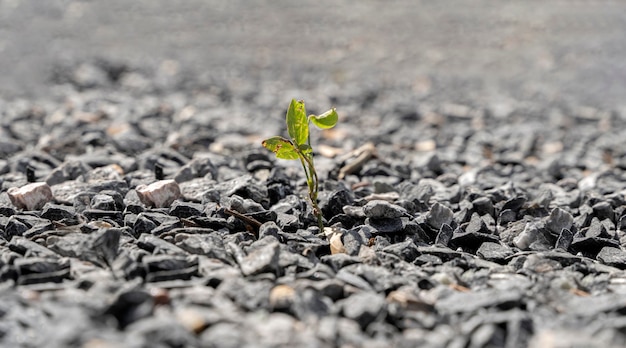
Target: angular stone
[[69, 170], [207, 244], [169, 267], [483, 206], [186, 209], [378, 209], [514, 204], [26, 225], [157, 245], [333, 204], [103, 202], [531, 238], [565, 240], [383, 225], [31, 196], [603, 210], [406, 250], [57, 212], [364, 307], [28, 248], [559, 219], [159, 194], [597, 229], [130, 306], [495, 252], [477, 225], [36, 270], [467, 302], [445, 235], [196, 168], [264, 259], [439, 215], [506, 216], [612, 256]]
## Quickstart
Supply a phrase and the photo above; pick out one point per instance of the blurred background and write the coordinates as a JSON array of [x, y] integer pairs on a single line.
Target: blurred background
[[571, 51]]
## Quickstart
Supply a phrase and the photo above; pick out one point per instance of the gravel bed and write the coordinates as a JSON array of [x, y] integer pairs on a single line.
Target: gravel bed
[[133, 215]]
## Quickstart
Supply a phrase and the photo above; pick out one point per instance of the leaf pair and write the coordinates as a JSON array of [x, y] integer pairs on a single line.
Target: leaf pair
[[298, 128]]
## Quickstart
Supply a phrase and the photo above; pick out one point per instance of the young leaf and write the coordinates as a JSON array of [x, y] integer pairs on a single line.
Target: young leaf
[[297, 122], [282, 147], [326, 120], [305, 149]]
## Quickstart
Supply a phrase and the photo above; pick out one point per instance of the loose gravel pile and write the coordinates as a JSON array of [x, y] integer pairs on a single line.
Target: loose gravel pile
[[133, 215]]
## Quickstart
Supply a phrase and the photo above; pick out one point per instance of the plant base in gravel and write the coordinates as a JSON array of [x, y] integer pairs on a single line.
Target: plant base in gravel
[[299, 146]]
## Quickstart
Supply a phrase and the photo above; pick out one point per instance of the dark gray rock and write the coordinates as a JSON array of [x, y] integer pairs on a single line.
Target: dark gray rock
[[155, 245], [169, 267], [533, 237], [476, 233], [248, 295], [57, 212], [340, 260], [438, 216], [364, 308], [196, 168], [269, 229], [466, 302], [149, 222], [69, 170], [494, 252], [383, 225], [185, 209], [612, 256], [565, 240], [603, 210], [26, 225], [406, 250], [559, 219], [483, 206], [445, 235], [353, 239], [515, 204], [208, 244], [29, 248], [103, 202], [130, 306], [378, 209], [332, 203], [506, 216], [38, 270], [264, 259]]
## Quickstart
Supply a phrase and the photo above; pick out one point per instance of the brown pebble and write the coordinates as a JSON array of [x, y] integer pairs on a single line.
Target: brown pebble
[[160, 296], [160, 194], [281, 296], [31, 196], [191, 319]]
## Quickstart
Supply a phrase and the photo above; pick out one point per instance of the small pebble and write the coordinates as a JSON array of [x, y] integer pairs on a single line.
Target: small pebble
[[30, 196], [160, 194]]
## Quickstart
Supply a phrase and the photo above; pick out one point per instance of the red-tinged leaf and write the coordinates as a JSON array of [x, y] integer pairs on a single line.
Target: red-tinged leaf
[[282, 147]]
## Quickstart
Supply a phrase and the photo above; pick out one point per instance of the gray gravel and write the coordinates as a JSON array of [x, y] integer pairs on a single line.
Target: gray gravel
[[473, 189]]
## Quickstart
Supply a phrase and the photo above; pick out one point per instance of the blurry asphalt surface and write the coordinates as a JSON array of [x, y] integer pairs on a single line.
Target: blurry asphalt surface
[[461, 51]]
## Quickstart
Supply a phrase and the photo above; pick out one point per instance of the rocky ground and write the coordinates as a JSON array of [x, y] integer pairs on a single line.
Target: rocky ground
[[473, 189]]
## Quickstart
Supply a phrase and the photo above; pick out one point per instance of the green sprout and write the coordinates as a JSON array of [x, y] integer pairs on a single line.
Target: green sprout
[[299, 146]]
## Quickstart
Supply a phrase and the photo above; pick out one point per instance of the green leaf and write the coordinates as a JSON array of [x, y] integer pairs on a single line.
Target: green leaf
[[283, 148], [326, 120], [305, 149], [297, 122]]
